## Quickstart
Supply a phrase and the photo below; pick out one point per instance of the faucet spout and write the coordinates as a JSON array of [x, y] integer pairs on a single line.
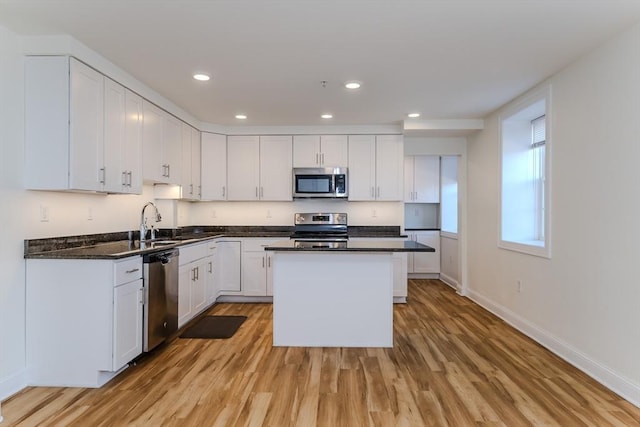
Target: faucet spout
[[143, 222]]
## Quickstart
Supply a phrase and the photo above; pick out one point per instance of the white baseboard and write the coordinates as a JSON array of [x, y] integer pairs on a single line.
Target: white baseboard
[[450, 281], [12, 384], [601, 373]]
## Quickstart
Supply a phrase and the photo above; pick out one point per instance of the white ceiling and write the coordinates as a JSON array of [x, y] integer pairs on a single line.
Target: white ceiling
[[448, 59]]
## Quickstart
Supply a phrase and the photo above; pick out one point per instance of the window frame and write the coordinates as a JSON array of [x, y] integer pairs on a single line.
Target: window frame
[[531, 246]]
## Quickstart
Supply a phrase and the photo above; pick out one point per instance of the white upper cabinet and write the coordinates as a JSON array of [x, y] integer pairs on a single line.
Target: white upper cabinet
[[122, 139], [275, 168], [83, 130], [422, 179], [162, 146], [243, 172], [320, 151], [191, 151], [64, 125], [375, 167], [131, 153], [389, 167], [362, 167], [214, 166], [114, 135], [259, 168]]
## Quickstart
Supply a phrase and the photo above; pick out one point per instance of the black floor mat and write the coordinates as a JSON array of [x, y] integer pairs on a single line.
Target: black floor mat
[[214, 327]]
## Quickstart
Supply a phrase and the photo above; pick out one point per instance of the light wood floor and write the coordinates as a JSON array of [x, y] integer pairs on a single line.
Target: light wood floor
[[453, 364]]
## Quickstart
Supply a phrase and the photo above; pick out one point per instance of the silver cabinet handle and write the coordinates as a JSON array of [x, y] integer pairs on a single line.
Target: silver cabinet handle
[[256, 192], [210, 267], [191, 189], [103, 174], [129, 179], [124, 178], [372, 192], [322, 156], [317, 158], [168, 171], [199, 190], [269, 261], [262, 262], [141, 295], [132, 270], [223, 191]]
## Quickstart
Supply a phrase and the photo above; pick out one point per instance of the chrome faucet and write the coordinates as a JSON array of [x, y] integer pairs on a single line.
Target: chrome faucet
[[143, 222]]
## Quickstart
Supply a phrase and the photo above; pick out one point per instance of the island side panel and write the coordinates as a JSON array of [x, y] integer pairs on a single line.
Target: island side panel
[[323, 299]]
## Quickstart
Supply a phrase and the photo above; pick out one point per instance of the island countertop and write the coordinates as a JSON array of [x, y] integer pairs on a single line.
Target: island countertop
[[368, 245]]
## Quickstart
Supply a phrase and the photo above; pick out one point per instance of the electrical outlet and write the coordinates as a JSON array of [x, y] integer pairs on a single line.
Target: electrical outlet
[[44, 213], [90, 214], [214, 214], [268, 213], [374, 213]]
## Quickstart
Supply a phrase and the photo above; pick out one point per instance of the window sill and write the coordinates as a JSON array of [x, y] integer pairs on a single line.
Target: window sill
[[529, 247]]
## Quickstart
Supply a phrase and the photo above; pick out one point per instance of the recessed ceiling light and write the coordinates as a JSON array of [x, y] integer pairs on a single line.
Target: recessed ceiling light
[[241, 116], [413, 115], [201, 77], [327, 116], [352, 85]]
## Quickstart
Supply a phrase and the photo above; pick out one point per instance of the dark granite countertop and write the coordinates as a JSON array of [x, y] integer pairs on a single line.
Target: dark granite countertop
[[124, 244], [372, 245]]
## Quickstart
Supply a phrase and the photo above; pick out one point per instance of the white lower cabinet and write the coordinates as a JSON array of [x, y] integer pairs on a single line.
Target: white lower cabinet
[[85, 326], [192, 299], [425, 262], [127, 322], [211, 284], [227, 267], [256, 267]]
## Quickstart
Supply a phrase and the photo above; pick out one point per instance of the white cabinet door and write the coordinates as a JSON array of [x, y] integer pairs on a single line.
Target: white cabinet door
[[422, 179], [254, 279], [427, 262], [334, 151], [127, 323], [311, 151], [243, 172], [375, 167], [362, 167], [389, 163], [306, 151], [87, 128], [227, 266], [153, 168], [185, 277], [275, 168], [113, 177], [190, 181], [211, 285], [171, 149], [132, 150], [199, 287], [214, 166], [196, 162]]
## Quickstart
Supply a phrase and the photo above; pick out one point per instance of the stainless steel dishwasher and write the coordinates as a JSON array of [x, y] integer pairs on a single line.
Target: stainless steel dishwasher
[[160, 297]]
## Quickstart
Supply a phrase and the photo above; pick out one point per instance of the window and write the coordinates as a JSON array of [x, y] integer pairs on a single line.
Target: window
[[525, 136]]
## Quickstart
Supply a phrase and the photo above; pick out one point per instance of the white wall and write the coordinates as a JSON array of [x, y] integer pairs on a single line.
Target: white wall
[[584, 302]]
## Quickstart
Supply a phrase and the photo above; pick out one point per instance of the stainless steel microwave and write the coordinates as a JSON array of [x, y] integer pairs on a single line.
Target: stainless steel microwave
[[331, 183]]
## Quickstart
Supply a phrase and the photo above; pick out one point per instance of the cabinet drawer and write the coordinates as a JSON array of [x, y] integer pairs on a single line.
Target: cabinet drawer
[[190, 253], [127, 270], [257, 245]]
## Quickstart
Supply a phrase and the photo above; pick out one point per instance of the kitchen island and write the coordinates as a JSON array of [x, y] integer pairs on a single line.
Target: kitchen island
[[335, 294]]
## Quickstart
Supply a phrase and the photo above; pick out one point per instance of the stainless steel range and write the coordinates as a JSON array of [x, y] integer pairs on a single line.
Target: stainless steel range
[[320, 227]]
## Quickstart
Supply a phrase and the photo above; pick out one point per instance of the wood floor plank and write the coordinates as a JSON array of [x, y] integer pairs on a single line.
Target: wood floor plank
[[452, 364]]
